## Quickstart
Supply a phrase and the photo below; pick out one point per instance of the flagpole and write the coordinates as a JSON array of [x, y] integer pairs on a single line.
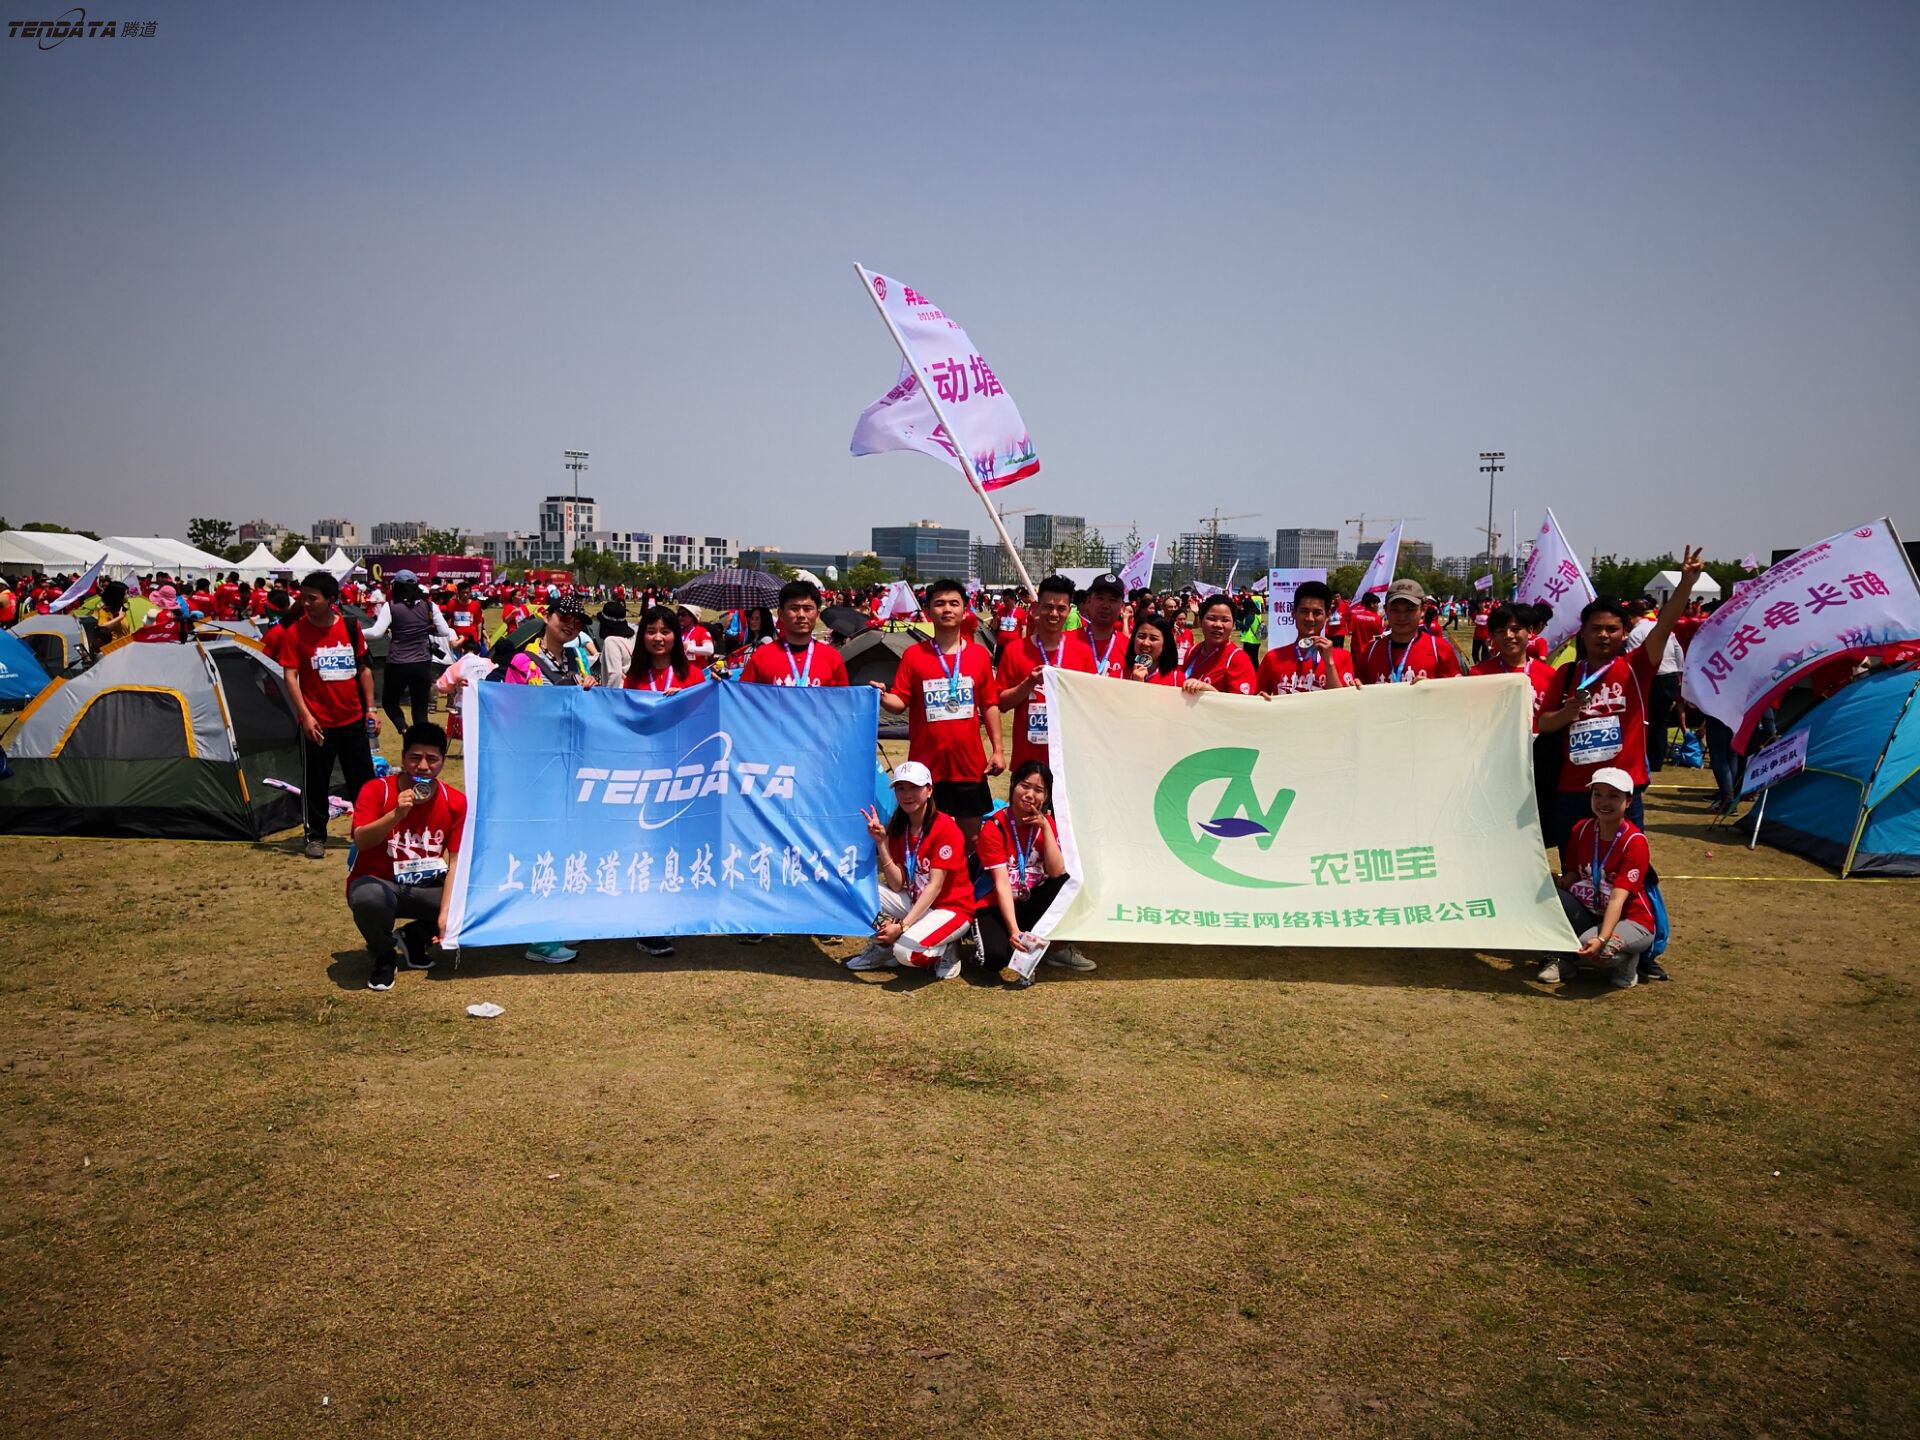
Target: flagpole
[[953, 435]]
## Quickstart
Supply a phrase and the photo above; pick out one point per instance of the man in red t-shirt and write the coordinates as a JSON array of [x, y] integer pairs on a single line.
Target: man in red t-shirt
[[1363, 624], [331, 684], [946, 689], [467, 617], [1605, 868], [798, 659], [1406, 653], [1308, 662], [1337, 618], [1103, 625], [406, 835], [226, 598], [1020, 673], [1600, 700], [1510, 632], [1010, 616], [1481, 643]]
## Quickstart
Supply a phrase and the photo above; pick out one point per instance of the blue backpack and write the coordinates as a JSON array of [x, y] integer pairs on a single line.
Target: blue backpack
[[1662, 928]]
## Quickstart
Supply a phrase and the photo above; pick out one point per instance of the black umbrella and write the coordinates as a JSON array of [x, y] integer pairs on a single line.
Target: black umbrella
[[730, 590], [846, 622]]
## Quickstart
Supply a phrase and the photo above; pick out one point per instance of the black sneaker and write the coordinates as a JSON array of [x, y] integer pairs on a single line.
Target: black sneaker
[[1652, 970], [382, 977], [413, 947]]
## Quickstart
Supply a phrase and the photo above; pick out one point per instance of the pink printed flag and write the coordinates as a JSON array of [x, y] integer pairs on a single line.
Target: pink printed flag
[[1554, 576], [938, 357], [1851, 595], [1484, 583], [1750, 563], [899, 603], [1137, 573]]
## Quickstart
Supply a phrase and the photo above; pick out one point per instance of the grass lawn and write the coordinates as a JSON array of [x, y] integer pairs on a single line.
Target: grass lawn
[[1198, 1192]]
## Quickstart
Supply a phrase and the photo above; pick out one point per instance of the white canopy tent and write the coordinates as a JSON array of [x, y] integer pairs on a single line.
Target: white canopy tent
[[1667, 581], [176, 557], [51, 551], [303, 562], [339, 564], [260, 565]]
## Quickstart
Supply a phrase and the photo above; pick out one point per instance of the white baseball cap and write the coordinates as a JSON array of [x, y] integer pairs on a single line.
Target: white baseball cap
[[1613, 778], [912, 772]]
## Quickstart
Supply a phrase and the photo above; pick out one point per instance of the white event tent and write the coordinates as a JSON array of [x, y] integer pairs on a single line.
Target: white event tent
[[339, 564], [260, 565], [303, 563], [175, 557], [57, 552], [1667, 581]]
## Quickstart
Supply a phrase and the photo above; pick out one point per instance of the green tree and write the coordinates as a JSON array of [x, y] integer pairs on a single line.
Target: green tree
[[286, 548], [597, 567], [865, 571], [437, 542], [206, 533], [47, 527]]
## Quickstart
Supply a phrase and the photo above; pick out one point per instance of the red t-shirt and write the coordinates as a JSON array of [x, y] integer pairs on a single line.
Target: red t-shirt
[[663, 682], [415, 852], [162, 627], [1363, 628], [1683, 630], [328, 662], [1113, 659], [1626, 863], [1283, 672], [948, 740], [1427, 656], [1538, 673], [1010, 621], [1019, 659], [810, 666], [465, 618], [1480, 615], [1227, 669], [1612, 728], [941, 848], [257, 603], [226, 602], [997, 846], [200, 600], [1158, 677], [1337, 618], [1537, 648]]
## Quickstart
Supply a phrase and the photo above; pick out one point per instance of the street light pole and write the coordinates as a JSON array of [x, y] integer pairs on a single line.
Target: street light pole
[[1492, 462]]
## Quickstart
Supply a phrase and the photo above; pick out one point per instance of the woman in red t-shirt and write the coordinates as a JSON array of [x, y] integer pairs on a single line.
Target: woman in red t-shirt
[[1605, 868], [1216, 663], [1156, 658], [926, 894], [1020, 849], [660, 662]]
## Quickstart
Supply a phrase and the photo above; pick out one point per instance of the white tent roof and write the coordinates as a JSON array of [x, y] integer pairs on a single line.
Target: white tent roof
[[46, 550], [340, 564], [303, 562], [160, 552], [1667, 581], [259, 564]]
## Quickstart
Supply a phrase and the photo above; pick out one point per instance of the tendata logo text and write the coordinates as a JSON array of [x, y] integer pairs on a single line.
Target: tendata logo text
[[663, 794], [1236, 814], [74, 25]]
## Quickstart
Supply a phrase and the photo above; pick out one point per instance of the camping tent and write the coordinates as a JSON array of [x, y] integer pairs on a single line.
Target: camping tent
[[244, 626], [1667, 581], [22, 676], [176, 557], [1856, 806], [193, 741], [260, 564], [303, 563], [59, 642]]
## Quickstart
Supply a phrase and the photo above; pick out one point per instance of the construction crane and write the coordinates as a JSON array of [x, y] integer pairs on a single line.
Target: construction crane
[[1360, 537], [1211, 560]]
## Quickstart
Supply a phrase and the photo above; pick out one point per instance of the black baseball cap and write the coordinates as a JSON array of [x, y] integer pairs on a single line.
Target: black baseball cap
[[1109, 582]]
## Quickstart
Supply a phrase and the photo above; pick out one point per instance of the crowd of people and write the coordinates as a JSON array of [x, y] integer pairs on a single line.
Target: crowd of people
[[956, 871]]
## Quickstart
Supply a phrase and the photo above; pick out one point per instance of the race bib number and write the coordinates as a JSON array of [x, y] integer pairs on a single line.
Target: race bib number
[[946, 699], [1037, 722], [1594, 740], [429, 871], [335, 662], [1007, 624]]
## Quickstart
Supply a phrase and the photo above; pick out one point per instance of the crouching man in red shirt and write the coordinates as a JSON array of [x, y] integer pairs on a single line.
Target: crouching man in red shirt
[[406, 837]]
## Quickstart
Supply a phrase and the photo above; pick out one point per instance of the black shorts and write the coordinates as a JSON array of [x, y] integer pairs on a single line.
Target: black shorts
[[963, 799]]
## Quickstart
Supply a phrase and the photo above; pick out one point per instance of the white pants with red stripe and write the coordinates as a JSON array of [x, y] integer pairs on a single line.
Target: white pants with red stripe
[[923, 943]]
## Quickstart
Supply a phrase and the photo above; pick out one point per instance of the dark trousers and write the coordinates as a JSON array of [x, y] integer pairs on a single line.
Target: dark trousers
[[348, 744], [1661, 701], [414, 685], [1570, 809], [377, 903], [996, 946]]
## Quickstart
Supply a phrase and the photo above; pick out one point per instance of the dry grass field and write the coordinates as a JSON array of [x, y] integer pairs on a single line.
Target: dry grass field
[[740, 1192]]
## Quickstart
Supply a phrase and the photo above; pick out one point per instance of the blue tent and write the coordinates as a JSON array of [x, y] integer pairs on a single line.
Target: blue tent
[[1856, 807], [21, 675]]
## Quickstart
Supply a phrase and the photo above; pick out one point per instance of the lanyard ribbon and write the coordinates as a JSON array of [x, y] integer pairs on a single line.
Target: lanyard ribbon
[[802, 674]]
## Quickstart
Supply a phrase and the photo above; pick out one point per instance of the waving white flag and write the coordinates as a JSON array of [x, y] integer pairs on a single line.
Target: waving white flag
[[1380, 573], [1554, 576], [79, 588], [899, 603], [1137, 573], [939, 357]]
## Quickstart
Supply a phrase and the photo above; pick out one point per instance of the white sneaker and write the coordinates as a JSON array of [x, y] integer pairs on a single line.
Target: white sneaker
[[552, 952], [947, 966], [874, 957], [1068, 958], [1550, 972]]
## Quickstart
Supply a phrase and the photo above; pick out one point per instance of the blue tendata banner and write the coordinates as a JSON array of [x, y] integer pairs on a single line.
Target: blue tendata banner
[[720, 809]]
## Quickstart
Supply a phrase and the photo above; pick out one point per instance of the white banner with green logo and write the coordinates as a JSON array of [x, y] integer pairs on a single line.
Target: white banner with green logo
[[1395, 815]]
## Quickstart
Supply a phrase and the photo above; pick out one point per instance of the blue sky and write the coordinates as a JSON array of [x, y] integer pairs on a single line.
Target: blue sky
[[1304, 261]]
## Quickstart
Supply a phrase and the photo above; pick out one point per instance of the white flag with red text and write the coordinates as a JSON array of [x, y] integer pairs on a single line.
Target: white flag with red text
[[1851, 595], [1554, 576], [1380, 572], [938, 357]]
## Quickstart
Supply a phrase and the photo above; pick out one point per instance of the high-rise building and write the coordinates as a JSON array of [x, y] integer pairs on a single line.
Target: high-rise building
[[565, 518], [1414, 554], [262, 532], [1305, 549], [336, 532], [398, 532], [928, 547], [1043, 532]]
